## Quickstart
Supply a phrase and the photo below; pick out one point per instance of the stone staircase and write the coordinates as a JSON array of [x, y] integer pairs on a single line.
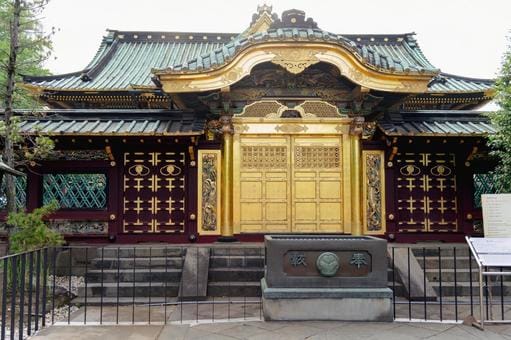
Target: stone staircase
[[445, 282], [236, 271], [128, 274], [132, 274]]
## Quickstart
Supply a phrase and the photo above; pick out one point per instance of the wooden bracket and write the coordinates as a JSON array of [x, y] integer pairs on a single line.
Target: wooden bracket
[[393, 153]]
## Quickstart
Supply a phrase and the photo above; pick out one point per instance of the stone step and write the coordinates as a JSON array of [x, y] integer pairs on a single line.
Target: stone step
[[140, 262], [236, 261], [238, 251], [220, 274], [447, 262], [127, 275], [139, 300], [398, 287], [462, 275], [463, 289], [111, 252], [248, 289], [444, 251], [142, 289]]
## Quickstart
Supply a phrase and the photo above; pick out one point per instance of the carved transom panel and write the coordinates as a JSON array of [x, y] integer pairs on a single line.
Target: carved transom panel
[[261, 157], [317, 157], [307, 109]]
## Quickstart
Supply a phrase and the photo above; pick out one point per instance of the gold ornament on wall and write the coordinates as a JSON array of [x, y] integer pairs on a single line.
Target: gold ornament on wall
[[295, 60]]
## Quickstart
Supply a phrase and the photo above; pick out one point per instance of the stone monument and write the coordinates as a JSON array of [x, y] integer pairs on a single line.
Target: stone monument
[[312, 277]]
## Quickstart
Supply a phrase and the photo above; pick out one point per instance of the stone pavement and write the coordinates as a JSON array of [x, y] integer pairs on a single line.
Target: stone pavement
[[279, 330]]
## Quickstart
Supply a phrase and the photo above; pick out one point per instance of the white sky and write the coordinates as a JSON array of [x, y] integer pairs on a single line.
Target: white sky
[[464, 37]]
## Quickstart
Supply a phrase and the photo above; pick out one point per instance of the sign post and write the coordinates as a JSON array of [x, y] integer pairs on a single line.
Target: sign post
[[493, 251]]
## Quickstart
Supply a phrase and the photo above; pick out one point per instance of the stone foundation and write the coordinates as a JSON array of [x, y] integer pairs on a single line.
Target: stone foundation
[[341, 304]]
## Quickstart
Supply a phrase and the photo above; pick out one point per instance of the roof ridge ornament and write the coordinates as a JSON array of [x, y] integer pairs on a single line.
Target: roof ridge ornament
[[294, 18], [261, 21]]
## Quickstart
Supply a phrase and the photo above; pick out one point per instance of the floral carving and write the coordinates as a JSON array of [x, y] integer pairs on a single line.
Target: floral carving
[[209, 192], [373, 192], [295, 60]]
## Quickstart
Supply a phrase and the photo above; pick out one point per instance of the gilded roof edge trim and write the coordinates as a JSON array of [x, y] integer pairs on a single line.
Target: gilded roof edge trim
[[291, 56]]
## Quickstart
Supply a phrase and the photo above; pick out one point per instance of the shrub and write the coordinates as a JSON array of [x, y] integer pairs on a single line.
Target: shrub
[[31, 231]]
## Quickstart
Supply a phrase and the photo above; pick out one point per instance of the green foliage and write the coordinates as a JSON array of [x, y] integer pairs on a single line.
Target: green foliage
[[30, 147], [34, 48], [501, 142], [30, 230]]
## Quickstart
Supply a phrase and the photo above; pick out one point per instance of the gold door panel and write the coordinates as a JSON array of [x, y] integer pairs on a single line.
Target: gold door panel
[[264, 185], [317, 184], [290, 184]]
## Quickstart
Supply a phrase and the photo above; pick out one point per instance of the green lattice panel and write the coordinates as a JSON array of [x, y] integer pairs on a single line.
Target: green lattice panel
[[484, 184], [21, 193], [75, 191]]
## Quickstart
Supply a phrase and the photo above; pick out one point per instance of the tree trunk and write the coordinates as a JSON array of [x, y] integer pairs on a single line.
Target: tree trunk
[[10, 188]]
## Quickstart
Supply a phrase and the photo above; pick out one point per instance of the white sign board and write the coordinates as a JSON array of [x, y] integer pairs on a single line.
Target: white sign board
[[497, 215], [492, 252]]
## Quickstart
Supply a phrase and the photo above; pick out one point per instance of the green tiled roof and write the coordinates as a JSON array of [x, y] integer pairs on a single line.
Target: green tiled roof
[[113, 123], [125, 59], [437, 123], [399, 53], [445, 82]]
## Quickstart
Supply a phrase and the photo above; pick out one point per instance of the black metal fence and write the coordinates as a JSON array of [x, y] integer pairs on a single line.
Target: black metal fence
[[442, 284], [156, 285]]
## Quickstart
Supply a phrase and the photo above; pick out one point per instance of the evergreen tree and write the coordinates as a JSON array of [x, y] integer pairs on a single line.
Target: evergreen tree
[[24, 46], [501, 142]]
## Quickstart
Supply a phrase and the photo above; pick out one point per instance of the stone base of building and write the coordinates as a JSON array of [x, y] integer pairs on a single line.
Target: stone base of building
[[340, 304]]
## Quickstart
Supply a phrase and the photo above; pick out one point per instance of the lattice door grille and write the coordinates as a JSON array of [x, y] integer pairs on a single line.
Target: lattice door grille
[[75, 191]]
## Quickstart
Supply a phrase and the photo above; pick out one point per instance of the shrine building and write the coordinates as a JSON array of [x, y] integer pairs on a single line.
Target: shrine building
[[283, 128]]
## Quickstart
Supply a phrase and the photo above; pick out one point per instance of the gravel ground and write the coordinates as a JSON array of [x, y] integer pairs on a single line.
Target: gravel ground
[[63, 281], [60, 313]]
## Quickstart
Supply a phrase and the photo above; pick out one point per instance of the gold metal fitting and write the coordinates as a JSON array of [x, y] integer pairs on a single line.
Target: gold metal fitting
[[469, 216], [192, 217], [390, 164], [112, 217], [112, 163], [192, 163], [391, 217]]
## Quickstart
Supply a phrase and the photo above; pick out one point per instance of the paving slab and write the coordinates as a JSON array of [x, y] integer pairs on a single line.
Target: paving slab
[[100, 332], [279, 330]]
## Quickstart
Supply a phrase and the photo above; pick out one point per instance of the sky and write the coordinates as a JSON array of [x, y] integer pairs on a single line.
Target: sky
[[463, 37]]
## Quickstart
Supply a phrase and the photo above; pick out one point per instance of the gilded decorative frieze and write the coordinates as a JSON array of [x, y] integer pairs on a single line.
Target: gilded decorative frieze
[[295, 60], [373, 191], [291, 128], [209, 192]]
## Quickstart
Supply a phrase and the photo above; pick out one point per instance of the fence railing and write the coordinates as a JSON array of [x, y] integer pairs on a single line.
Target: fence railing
[[169, 284], [442, 284]]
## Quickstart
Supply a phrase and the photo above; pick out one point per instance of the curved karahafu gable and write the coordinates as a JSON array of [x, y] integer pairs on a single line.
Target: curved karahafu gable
[[295, 57], [186, 61]]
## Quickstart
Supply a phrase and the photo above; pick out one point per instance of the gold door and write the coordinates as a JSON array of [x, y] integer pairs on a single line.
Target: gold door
[[264, 184], [317, 185], [290, 184]]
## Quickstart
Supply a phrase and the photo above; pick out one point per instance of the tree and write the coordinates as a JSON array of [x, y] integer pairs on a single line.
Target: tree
[[24, 46], [501, 141]]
